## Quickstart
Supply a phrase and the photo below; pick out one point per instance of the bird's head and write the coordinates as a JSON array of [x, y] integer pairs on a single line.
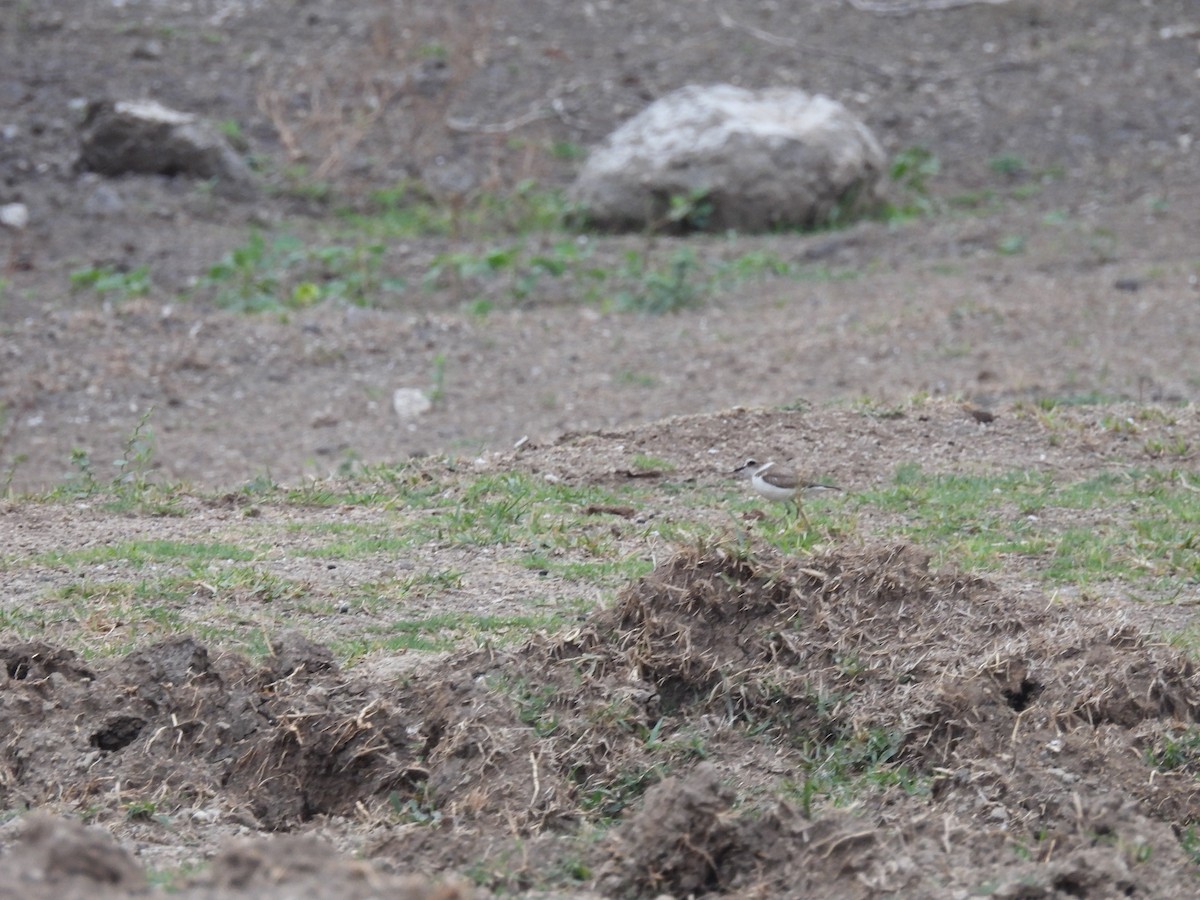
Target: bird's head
[[748, 466]]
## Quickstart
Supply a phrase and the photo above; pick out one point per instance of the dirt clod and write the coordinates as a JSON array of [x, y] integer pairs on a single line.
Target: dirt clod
[[730, 670]]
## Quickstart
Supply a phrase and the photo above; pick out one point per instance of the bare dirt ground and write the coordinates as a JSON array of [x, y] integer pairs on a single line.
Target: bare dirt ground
[[1058, 260]]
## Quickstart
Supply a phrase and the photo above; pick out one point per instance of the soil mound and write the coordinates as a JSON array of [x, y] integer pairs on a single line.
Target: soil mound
[[902, 730]]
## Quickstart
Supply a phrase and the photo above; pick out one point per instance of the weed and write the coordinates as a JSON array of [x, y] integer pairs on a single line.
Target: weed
[[979, 521], [246, 279], [659, 292], [567, 150], [468, 272], [637, 379], [842, 767], [757, 265], [414, 810], [141, 810], [1009, 165], [110, 280], [409, 210], [245, 584], [83, 483], [232, 131], [609, 799], [1156, 448], [134, 465], [687, 212], [1011, 245], [1090, 398], [645, 463], [10, 473], [131, 482], [284, 274], [535, 707], [981, 200], [479, 307], [139, 554], [174, 879], [438, 392], [911, 171], [1189, 840]]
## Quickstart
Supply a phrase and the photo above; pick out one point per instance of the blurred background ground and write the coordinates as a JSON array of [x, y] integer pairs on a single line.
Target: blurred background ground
[[1051, 181]]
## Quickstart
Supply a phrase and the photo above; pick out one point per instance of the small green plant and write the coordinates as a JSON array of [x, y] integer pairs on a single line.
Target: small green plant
[[535, 705], [687, 212], [415, 810], [1175, 750], [438, 392], [134, 465], [1189, 840], [109, 280], [1156, 448], [638, 379], [608, 800], [659, 292], [1009, 165], [285, 274], [1011, 245], [10, 473], [568, 150], [982, 200], [83, 482], [246, 280], [299, 183], [911, 171], [410, 209], [351, 274], [131, 483], [141, 810], [6, 430], [232, 130], [842, 766], [480, 307]]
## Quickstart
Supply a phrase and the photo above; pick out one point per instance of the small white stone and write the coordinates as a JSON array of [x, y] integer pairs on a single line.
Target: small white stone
[[410, 402], [14, 215]]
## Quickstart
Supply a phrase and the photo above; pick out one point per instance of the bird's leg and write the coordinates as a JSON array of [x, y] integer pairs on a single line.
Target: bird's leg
[[800, 515]]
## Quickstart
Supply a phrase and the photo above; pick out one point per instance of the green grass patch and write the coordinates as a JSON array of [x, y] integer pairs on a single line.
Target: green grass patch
[[841, 770], [1135, 526], [444, 631], [211, 598], [138, 554], [602, 572]]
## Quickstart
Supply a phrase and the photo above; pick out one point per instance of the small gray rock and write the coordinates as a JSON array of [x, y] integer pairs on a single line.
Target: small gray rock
[[104, 201]]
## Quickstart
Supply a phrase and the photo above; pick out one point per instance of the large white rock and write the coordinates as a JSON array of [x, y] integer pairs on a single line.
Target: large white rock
[[733, 158]]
